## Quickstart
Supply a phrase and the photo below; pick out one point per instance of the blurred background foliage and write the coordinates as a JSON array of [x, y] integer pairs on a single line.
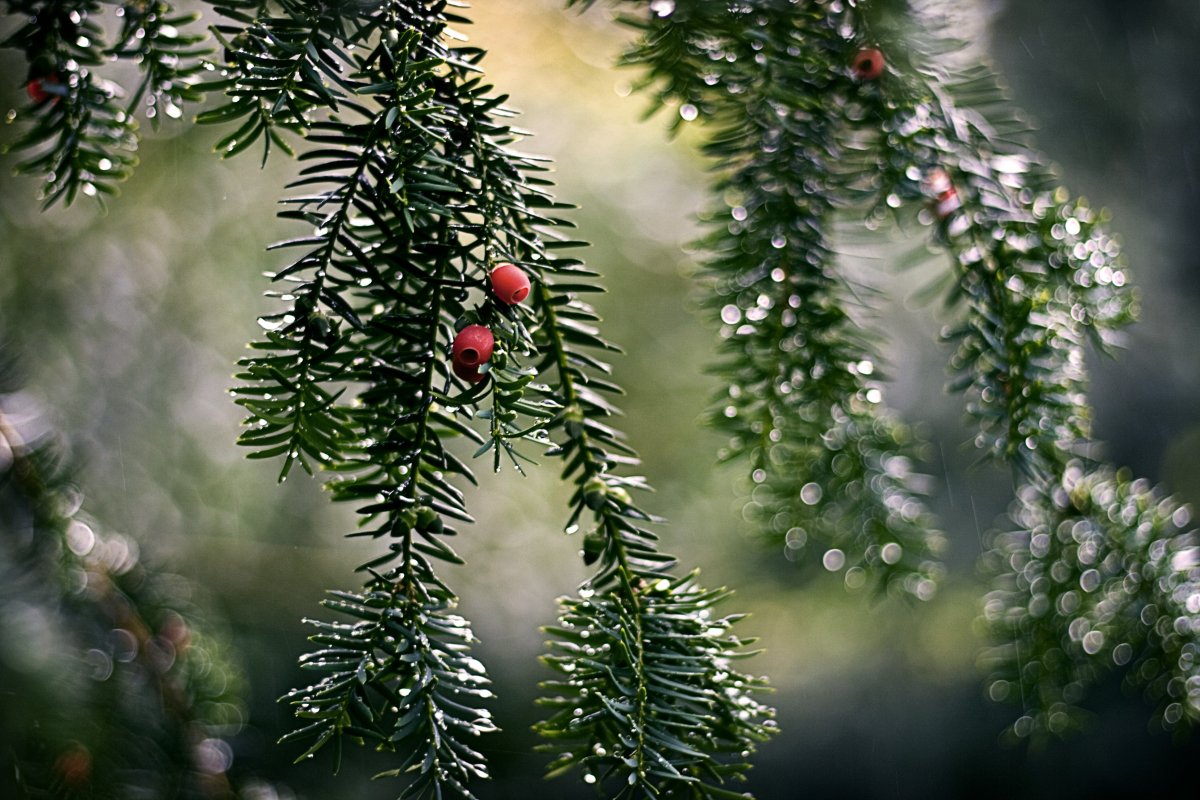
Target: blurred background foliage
[[128, 325]]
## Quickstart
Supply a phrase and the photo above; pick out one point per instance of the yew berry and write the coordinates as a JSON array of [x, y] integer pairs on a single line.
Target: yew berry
[[867, 64], [947, 203], [74, 766], [468, 374], [472, 346], [937, 183], [510, 284], [38, 89]]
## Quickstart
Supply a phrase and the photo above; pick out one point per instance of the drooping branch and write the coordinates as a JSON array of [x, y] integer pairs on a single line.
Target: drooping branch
[[1098, 573], [133, 690], [801, 399], [414, 193], [80, 126]]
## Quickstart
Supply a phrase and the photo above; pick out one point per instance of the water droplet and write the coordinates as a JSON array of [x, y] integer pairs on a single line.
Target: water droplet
[[1089, 581], [1182, 515], [834, 559]]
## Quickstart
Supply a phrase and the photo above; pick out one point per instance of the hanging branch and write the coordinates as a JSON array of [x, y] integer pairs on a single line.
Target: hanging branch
[[648, 703], [801, 402], [153, 36], [1101, 571], [844, 104], [139, 694], [82, 132], [376, 288], [417, 200]]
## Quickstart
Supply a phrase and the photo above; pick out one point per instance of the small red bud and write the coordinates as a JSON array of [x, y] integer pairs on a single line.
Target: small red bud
[[867, 64], [510, 284], [472, 346]]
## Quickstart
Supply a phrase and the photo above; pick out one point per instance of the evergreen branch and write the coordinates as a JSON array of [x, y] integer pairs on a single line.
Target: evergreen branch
[[800, 401], [1096, 558], [279, 72], [507, 220], [399, 675], [378, 287], [651, 707], [152, 35], [654, 687], [1100, 574], [1038, 271], [139, 687], [82, 135]]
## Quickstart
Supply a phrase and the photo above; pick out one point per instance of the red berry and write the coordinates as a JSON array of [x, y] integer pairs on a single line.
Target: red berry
[[44, 88], [947, 203], [472, 346], [74, 766], [468, 374], [36, 90], [937, 183], [867, 64], [510, 284]]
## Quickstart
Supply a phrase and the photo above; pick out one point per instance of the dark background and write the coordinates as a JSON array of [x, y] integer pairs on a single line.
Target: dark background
[[129, 325]]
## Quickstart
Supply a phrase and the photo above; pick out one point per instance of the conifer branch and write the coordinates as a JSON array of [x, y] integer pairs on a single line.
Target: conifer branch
[[801, 403], [840, 105], [139, 686], [154, 36], [378, 285], [419, 194], [82, 133], [1100, 572], [649, 704]]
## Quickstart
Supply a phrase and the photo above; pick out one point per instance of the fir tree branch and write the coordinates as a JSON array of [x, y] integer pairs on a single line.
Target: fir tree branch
[[651, 707], [1038, 270], [1101, 572], [648, 703], [279, 71], [153, 35]]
